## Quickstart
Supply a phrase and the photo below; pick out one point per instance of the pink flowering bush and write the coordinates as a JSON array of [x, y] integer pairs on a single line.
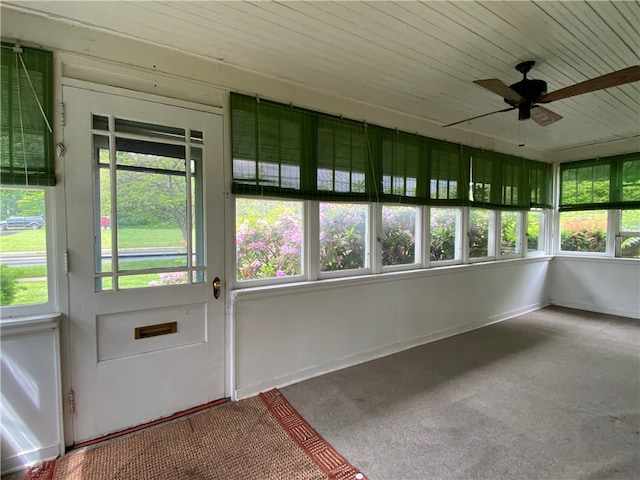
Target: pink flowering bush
[[343, 236], [268, 239]]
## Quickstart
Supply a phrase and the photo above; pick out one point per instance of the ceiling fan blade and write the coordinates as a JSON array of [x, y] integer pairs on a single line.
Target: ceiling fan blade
[[479, 116], [496, 86], [613, 79], [543, 116]]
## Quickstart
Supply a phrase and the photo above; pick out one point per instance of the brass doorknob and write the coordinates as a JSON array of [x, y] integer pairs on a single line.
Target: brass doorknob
[[217, 285]]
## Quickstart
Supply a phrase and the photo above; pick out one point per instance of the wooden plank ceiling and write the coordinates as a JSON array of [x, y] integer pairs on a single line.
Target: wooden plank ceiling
[[413, 57]]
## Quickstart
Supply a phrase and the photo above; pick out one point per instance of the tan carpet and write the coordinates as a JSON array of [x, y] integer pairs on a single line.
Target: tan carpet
[[248, 439]]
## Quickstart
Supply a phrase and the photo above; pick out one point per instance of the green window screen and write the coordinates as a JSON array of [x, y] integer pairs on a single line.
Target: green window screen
[[26, 145], [585, 185], [448, 174], [342, 158], [402, 164], [630, 180], [540, 181], [268, 148]]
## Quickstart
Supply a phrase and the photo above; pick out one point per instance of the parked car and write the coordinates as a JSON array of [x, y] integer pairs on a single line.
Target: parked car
[[22, 222]]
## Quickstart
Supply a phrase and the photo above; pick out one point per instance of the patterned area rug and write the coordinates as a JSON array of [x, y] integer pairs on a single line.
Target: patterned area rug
[[257, 438]]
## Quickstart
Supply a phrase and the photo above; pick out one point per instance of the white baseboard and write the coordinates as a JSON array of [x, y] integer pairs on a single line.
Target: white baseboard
[[20, 461], [590, 307], [351, 360]]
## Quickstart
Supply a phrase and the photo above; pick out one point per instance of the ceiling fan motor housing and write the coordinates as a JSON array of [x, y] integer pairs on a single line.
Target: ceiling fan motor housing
[[531, 91]]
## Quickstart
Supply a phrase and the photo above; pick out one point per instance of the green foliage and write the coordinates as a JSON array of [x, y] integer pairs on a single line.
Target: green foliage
[[268, 238], [443, 234], [398, 235], [583, 231], [479, 233], [343, 230], [8, 285], [21, 202]]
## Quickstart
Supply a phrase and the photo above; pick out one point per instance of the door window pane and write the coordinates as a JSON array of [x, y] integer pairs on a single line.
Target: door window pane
[[444, 227], [584, 231], [268, 238], [23, 247], [148, 206], [398, 235], [343, 236]]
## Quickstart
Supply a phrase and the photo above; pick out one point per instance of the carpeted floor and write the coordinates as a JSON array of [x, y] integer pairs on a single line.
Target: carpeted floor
[[257, 438], [554, 394]]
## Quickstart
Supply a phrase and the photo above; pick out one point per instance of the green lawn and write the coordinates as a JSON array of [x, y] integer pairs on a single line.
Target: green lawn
[[35, 240]]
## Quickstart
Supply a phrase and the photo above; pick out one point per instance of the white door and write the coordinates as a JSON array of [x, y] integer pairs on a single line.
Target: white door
[[144, 199]]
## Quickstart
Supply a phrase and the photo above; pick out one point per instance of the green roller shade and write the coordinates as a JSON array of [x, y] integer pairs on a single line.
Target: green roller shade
[[540, 184], [404, 161], [285, 151], [499, 181], [604, 183], [26, 145], [344, 168], [448, 173]]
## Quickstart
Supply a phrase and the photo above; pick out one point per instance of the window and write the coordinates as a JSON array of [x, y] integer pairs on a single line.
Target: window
[[148, 219], [444, 230], [343, 236], [27, 165], [628, 245], [269, 239], [480, 235], [510, 233], [24, 257], [583, 231], [398, 240], [536, 221]]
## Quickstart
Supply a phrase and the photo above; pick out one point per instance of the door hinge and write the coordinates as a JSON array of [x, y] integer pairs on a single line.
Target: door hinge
[[62, 115], [72, 402], [66, 262]]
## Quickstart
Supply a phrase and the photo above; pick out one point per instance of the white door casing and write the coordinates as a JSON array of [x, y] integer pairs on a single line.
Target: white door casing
[[119, 381]]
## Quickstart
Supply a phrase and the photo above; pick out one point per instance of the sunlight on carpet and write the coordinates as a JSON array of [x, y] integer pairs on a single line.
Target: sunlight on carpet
[[260, 437]]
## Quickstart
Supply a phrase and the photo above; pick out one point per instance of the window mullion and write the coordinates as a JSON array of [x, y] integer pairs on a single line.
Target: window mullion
[[375, 237], [113, 178], [311, 239], [189, 213]]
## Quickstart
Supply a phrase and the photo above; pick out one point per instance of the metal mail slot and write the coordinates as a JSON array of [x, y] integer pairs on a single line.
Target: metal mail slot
[[155, 330]]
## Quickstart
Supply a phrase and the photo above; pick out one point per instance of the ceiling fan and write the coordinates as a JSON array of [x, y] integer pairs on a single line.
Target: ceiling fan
[[527, 94]]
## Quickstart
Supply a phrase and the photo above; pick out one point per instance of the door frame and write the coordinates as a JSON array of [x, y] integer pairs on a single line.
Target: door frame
[[62, 241]]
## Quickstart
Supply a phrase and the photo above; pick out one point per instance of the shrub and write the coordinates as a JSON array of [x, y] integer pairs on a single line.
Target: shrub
[[342, 236], [8, 285]]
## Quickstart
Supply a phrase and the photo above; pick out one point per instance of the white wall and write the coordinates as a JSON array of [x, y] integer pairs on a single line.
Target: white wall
[[285, 335], [603, 285], [31, 405]]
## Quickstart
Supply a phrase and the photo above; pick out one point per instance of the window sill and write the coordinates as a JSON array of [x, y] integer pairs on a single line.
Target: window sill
[[342, 282], [29, 323]]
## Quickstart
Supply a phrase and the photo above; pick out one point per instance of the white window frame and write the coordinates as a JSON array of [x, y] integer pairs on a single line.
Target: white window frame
[[370, 252], [52, 305], [494, 226], [460, 234], [543, 229], [519, 236], [609, 245], [417, 263]]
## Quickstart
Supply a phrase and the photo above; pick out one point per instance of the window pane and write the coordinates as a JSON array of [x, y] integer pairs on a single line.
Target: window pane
[[268, 238], [630, 221], [480, 225], [510, 224], [444, 232], [535, 231], [398, 235], [630, 244], [583, 231], [23, 247], [343, 236]]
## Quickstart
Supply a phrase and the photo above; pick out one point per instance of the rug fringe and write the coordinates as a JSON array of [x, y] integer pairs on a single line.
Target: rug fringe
[[312, 444], [41, 472]]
